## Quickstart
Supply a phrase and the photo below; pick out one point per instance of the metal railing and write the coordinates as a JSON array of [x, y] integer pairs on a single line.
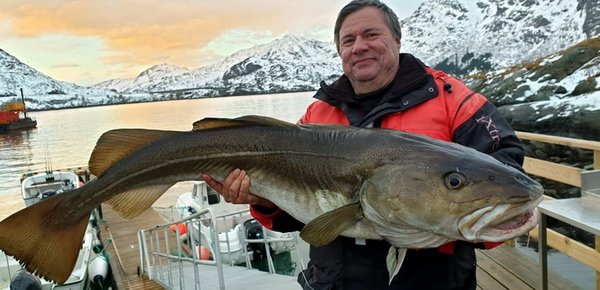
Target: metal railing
[[160, 262], [169, 255]]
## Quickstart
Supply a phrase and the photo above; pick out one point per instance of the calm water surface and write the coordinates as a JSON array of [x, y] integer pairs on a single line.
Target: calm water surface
[[66, 138]]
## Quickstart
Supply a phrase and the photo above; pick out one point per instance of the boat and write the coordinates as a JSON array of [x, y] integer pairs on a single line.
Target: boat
[[36, 187], [13, 116], [238, 233]]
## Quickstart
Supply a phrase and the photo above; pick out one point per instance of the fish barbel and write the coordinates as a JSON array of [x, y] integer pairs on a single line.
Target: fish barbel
[[410, 190]]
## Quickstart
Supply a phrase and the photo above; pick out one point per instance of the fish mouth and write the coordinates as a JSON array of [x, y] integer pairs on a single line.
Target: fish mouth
[[501, 222]]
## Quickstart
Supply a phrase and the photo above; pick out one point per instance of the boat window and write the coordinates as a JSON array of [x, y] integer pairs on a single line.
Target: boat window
[[213, 197]]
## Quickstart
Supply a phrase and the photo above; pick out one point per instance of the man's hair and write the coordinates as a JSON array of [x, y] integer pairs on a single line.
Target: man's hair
[[388, 15]]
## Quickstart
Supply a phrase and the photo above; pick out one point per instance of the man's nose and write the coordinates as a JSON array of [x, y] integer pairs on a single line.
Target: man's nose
[[360, 45]]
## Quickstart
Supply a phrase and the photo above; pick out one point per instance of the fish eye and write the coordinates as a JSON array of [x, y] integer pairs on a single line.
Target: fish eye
[[455, 180]]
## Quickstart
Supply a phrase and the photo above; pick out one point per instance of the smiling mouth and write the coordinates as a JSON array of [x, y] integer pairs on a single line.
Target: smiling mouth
[[363, 61]]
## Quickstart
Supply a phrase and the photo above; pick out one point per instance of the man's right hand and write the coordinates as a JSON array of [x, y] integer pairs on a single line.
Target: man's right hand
[[236, 189]]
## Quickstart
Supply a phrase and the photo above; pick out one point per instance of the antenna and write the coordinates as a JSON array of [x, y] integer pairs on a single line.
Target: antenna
[[48, 164]]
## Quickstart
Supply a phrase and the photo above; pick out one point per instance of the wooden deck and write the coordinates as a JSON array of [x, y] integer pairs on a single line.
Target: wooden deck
[[505, 268], [124, 249]]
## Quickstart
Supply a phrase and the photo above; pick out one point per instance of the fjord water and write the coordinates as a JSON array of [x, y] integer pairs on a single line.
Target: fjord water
[[65, 138]]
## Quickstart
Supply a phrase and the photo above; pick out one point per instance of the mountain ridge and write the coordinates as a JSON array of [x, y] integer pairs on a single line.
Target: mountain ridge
[[467, 37]]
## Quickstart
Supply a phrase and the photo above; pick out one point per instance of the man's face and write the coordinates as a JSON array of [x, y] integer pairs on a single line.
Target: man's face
[[369, 50]]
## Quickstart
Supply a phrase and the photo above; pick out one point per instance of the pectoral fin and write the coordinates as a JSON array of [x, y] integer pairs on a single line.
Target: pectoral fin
[[394, 260], [325, 228]]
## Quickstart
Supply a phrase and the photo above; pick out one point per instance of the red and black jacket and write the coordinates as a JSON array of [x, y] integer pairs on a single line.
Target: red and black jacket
[[420, 100]]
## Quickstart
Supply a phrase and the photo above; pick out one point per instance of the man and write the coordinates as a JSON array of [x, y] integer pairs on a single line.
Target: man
[[382, 88]]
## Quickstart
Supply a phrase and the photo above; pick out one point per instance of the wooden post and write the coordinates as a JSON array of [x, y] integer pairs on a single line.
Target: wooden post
[[596, 159]]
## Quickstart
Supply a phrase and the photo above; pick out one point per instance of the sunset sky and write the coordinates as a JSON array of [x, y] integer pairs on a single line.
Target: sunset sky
[[89, 41]]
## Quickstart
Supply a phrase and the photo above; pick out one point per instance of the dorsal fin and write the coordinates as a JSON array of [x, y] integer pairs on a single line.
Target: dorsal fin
[[250, 120], [113, 145]]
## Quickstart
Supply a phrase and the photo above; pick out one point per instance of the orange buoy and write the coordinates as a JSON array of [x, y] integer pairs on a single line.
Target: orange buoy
[[181, 227], [182, 231]]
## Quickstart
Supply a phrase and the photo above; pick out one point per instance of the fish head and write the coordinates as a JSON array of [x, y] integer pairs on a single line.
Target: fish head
[[460, 194]]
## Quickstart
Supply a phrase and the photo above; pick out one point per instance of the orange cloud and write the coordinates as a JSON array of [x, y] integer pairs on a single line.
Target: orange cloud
[[146, 32]]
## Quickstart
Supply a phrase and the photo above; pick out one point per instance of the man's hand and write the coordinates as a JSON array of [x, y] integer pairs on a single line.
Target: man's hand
[[236, 189]]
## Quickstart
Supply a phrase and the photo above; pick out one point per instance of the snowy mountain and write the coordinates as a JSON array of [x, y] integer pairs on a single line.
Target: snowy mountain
[[291, 63], [144, 79], [458, 36], [461, 37], [15, 75], [467, 36], [558, 94]]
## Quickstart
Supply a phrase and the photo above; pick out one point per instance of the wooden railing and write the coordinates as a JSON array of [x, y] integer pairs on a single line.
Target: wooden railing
[[568, 175]]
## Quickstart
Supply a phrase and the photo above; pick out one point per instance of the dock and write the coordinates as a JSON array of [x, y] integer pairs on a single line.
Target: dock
[[123, 247], [506, 268]]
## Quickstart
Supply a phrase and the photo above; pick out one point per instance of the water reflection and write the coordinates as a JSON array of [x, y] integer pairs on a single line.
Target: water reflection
[[65, 138], [15, 152]]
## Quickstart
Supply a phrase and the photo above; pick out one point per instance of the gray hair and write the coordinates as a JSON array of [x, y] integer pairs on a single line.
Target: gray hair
[[389, 17]]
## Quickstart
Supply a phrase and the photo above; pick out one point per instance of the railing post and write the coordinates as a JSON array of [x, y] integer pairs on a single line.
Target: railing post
[[543, 251], [597, 239], [597, 273]]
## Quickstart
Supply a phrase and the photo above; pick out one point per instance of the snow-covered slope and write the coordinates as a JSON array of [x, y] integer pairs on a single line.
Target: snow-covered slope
[[467, 35], [287, 64], [15, 75]]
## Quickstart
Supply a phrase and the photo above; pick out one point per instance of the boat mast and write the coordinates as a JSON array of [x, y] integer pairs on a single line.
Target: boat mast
[[23, 101]]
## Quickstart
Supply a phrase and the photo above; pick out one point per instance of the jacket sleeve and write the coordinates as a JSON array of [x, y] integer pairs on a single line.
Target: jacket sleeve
[[275, 219], [485, 130]]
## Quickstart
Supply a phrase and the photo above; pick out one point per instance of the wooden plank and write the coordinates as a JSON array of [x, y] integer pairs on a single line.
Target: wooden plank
[[571, 248], [571, 142], [554, 171], [123, 235], [525, 268], [486, 281], [500, 273]]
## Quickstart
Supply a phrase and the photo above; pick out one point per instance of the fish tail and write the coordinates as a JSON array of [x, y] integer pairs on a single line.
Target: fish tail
[[31, 236]]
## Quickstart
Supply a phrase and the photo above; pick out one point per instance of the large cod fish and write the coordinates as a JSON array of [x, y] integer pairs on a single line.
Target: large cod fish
[[410, 190]]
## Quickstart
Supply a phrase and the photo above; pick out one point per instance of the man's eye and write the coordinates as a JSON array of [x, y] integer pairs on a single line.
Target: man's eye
[[347, 41]]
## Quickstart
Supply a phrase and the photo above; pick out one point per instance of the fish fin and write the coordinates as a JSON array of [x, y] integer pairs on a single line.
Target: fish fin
[[326, 227], [31, 237], [394, 260], [113, 145], [212, 123], [132, 203]]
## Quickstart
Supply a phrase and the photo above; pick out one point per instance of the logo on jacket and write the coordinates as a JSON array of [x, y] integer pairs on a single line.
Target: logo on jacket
[[494, 133]]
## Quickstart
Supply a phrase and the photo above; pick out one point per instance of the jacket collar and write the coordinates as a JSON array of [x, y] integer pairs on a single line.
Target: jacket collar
[[411, 86], [411, 73]]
